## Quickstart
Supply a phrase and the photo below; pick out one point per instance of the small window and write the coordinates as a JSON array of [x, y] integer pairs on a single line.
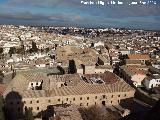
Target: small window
[[95, 97], [36, 83], [80, 98], [73, 99], [66, 99], [95, 103], [80, 104], [118, 95], [104, 96], [37, 108], [124, 95], [87, 98], [30, 102], [111, 101], [31, 83], [58, 99], [37, 101], [87, 104], [112, 96], [49, 101], [24, 102]]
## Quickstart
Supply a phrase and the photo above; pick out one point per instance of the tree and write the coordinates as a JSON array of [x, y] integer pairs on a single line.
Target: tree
[[72, 67], [20, 51], [1, 53], [47, 50], [1, 76], [34, 47], [1, 50], [12, 50], [28, 114]]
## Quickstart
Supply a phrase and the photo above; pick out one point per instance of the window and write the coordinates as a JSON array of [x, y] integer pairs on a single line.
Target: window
[[31, 83], [24, 102], [118, 101], [87, 98], [80, 98], [37, 108], [95, 97], [73, 99], [124, 95], [49, 101], [58, 99], [95, 103], [37, 101], [104, 96], [80, 104], [66, 99], [118, 95], [112, 96], [36, 83], [111, 101], [30, 102], [87, 104]]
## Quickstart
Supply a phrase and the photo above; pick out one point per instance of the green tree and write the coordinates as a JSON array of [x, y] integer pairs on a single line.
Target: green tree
[[1, 76], [34, 47], [28, 114], [1, 53], [47, 50], [20, 50], [12, 50], [1, 50]]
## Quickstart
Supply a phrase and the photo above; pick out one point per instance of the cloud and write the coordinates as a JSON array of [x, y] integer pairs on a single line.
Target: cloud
[[42, 19], [113, 11], [72, 12]]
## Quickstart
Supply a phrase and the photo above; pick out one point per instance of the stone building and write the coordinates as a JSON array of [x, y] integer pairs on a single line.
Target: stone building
[[81, 90]]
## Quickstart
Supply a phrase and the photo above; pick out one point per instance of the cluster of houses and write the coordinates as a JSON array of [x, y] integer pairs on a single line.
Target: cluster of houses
[[96, 71]]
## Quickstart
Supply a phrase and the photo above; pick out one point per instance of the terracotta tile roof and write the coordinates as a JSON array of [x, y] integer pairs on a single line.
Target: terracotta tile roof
[[112, 84], [138, 56], [133, 70], [130, 62]]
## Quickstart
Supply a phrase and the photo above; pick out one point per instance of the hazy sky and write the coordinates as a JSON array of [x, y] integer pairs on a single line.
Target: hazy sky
[[73, 13]]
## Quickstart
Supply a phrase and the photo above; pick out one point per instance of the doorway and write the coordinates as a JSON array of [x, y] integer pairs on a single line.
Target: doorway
[[103, 103]]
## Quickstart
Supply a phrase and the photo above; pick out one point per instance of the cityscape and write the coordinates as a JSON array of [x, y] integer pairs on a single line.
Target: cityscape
[[76, 66]]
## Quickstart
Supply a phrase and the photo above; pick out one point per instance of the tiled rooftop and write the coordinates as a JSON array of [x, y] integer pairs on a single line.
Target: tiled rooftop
[[113, 84]]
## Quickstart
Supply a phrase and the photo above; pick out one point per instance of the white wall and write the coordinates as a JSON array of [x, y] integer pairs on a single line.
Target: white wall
[[33, 84]]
